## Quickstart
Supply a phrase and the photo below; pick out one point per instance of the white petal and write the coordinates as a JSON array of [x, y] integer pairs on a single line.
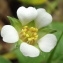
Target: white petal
[[29, 50], [43, 18], [47, 43], [26, 15], [9, 34], [41, 10]]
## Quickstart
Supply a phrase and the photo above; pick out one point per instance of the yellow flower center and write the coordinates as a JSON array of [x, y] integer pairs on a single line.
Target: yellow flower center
[[29, 35]]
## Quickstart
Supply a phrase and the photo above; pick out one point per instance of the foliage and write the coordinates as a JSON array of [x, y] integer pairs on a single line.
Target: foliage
[[3, 60]]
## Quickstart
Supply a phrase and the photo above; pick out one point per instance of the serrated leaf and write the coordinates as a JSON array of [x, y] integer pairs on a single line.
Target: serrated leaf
[[16, 23]]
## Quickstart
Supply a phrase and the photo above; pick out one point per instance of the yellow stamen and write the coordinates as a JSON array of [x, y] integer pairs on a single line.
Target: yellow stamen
[[27, 35], [30, 34], [35, 34], [25, 27], [29, 39], [36, 30], [24, 33]]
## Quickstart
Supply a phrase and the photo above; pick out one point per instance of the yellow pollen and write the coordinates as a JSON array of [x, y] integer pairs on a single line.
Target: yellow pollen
[[35, 34], [25, 27], [27, 35], [35, 38], [24, 33], [36, 30], [33, 29], [29, 39], [30, 34]]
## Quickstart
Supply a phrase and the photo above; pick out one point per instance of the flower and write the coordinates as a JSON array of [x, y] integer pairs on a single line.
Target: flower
[[29, 35]]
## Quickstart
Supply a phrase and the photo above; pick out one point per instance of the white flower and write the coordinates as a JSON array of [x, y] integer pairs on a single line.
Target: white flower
[[41, 18]]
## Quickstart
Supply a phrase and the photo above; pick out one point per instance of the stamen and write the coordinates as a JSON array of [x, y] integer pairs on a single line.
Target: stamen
[[29, 35]]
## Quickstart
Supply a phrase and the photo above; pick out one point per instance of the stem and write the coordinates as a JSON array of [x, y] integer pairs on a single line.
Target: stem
[[52, 53]]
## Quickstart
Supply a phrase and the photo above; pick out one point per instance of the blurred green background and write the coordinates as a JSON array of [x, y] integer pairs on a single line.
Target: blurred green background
[[9, 8]]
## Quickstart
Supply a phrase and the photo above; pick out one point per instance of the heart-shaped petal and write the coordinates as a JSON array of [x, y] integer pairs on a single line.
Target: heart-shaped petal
[[9, 34], [47, 43], [43, 18], [29, 50], [26, 15]]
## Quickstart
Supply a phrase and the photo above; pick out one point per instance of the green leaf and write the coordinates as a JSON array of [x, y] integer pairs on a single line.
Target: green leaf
[[57, 26], [3, 60], [58, 55], [16, 23]]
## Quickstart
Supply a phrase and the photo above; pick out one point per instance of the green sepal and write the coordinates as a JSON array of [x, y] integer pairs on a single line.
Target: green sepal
[[31, 24], [16, 23], [44, 31], [17, 44]]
